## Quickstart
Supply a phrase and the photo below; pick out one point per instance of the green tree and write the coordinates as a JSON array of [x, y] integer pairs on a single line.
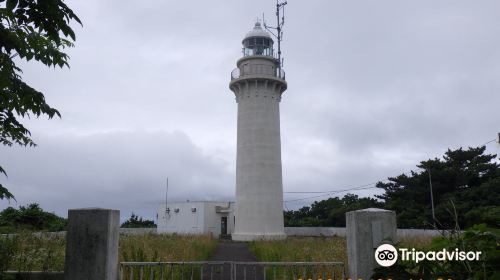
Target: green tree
[[465, 184], [137, 222], [29, 29], [329, 212], [31, 217]]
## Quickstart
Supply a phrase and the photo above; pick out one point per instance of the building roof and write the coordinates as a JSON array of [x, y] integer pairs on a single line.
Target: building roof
[[257, 31]]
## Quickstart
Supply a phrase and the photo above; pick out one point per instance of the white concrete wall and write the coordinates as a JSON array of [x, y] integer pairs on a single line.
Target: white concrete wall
[[204, 220], [403, 232], [341, 231], [315, 231], [137, 231], [213, 219], [181, 219]]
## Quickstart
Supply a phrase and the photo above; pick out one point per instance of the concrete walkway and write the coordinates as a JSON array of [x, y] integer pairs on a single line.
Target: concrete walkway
[[234, 252]]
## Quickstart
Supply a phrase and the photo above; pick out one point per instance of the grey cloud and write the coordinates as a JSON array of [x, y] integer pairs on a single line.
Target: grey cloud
[[124, 170]]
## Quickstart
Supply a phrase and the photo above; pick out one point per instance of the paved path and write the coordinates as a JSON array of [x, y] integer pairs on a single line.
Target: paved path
[[235, 252]]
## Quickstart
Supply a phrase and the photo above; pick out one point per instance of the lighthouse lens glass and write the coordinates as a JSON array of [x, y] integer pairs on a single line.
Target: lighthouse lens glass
[[257, 46]]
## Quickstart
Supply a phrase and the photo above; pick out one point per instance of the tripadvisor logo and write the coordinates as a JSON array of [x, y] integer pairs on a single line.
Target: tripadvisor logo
[[386, 255]]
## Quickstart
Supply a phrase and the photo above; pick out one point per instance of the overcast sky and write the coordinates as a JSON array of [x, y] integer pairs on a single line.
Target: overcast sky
[[374, 87]]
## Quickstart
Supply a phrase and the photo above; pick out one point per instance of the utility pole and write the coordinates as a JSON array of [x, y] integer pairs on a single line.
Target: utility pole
[[432, 197]]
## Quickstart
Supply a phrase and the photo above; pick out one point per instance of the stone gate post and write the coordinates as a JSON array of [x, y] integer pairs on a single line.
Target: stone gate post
[[92, 244], [365, 231]]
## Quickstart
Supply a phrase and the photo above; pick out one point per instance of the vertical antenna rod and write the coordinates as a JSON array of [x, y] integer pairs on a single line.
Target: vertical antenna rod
[[166, 197], [278, 28]]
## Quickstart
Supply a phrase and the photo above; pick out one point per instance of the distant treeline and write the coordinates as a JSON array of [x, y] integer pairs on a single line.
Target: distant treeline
[[137, 222], [466, 191], [30, 218], [33, 218]]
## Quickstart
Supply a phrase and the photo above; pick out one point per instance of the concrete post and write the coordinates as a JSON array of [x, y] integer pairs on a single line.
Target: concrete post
[[366, 229], [92, 244]]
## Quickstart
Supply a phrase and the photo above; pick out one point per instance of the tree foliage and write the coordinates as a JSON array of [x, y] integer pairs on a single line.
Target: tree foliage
[[137, 222], [466, 190], [329, 212], [466, 184], [30, 217], [29, 29]]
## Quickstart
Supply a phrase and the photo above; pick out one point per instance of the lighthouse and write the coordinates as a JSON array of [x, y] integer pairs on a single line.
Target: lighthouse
[[258, 83]]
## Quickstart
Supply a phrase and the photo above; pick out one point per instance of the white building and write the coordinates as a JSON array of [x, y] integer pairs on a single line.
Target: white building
[[196, 217]]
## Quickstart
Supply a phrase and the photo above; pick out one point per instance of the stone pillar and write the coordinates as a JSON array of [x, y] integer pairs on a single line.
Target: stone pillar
[[92, 244], [366, 229]]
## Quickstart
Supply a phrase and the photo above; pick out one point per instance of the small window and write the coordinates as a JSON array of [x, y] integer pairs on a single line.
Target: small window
[[260, 41], [266, 42]]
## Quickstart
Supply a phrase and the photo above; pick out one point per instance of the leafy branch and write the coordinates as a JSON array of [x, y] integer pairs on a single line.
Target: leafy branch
[[29, 30]]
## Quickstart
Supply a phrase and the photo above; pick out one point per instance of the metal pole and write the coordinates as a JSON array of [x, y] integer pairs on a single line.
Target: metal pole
[[166, 207], [432, 198], [279, 37]]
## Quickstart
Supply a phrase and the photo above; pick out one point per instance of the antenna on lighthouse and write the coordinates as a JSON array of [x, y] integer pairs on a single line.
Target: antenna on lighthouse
[[280, 6]]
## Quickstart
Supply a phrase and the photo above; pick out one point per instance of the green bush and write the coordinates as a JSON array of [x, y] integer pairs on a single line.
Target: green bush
[[30, 218], [477, 238]]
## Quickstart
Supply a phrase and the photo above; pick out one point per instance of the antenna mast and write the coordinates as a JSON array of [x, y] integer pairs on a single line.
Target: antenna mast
[[280, 5]]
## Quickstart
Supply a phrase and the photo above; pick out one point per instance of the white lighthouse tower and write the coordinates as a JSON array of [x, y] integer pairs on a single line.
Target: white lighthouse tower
[[258, 83]]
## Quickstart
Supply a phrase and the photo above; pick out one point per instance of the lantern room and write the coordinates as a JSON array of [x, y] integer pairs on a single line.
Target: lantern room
[[258, 42]]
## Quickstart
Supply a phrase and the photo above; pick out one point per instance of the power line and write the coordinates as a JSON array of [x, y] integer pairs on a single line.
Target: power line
[[333, 191], [493, 140], [360, 187], [328, 194]]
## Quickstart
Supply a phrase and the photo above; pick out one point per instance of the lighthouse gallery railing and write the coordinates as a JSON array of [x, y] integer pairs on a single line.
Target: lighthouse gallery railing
[[258, 69]]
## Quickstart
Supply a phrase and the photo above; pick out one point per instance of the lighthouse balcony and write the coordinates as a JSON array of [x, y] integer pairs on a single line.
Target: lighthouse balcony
[[258, 70]]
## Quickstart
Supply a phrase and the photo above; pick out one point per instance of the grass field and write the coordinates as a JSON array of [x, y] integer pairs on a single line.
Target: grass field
[[315, 249], [29, 252], [149, 248], [301, 249]]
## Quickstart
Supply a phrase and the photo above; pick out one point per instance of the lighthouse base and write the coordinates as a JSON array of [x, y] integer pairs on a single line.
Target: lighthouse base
[[257, 236]]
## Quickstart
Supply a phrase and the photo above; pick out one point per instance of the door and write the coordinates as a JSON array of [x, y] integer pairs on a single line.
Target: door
[[223, 225]]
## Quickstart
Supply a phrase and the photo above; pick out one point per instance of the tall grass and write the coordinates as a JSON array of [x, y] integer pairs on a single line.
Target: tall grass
[[316, 249], [154, 248], [34, 252], [416, 242], [26, 251], [301, 249]]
